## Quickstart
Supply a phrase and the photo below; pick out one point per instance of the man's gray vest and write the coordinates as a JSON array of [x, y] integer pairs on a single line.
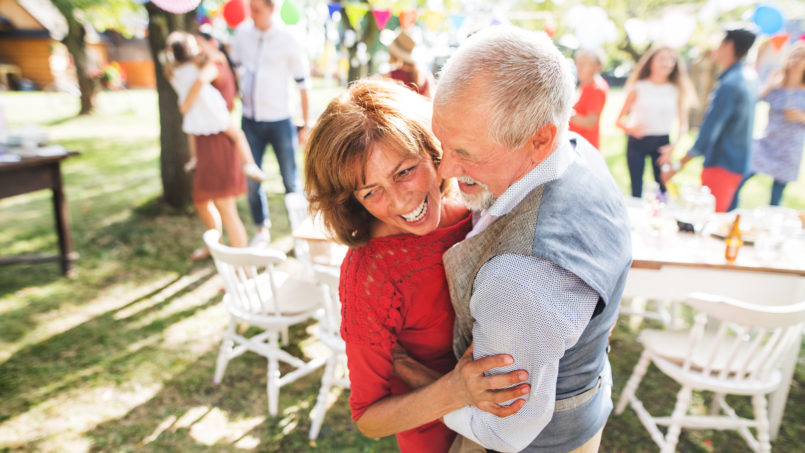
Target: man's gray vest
[[578, 222]]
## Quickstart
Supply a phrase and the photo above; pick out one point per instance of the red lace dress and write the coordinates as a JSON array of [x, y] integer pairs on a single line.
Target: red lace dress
[[393, 290]]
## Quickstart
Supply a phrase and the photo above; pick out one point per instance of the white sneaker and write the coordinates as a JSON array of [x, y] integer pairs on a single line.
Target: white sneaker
[[190, 165], [252, 171], [261, 240]]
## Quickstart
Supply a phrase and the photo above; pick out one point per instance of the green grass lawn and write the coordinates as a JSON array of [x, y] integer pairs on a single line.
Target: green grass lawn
[[120, 357]]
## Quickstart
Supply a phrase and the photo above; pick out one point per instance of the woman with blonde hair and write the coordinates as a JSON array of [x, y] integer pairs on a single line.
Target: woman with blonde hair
[[658, 91], [370, 171]]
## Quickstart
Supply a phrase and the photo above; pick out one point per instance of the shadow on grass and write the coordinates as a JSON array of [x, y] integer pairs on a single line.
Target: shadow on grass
[[37, 372], [191, 413], [60, 121], [153, 237]]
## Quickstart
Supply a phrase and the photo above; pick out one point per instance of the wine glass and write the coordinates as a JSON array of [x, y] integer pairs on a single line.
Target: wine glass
[[702, 207]]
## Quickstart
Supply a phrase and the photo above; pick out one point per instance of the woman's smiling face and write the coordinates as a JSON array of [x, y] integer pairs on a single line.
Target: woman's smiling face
[[401, 191]]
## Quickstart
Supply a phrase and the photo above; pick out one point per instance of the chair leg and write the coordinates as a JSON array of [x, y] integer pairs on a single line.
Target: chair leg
[[285, 336], [681, 408], [223, 352], [762, 419], [634, 380], [715, 405], [273, 377], [320, 409]]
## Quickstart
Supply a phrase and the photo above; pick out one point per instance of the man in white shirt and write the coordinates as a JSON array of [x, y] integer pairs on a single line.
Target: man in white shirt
[[541, 274], [269, 58]]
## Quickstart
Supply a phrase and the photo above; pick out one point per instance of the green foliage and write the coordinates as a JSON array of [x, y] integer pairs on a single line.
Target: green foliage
[[120, 15]]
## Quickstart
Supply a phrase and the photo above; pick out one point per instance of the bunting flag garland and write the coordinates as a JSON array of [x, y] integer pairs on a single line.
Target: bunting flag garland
[[177, 6], [433, 20], [458, 20], [333, 8], [382, 17], [778, 41], [355, 12], [407, 18]]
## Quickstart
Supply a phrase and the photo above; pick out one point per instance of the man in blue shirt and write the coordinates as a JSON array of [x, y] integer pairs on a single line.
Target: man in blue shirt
[[725, 135]]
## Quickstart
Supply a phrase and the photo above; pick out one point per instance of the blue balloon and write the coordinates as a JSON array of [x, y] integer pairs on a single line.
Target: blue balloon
[[769, 19]]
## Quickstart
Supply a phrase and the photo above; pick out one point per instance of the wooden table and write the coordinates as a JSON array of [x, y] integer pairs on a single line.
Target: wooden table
[[669, 265], [37, 173], [321, 249]]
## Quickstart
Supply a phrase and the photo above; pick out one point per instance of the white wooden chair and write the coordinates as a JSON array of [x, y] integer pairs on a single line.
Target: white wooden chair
[[335, 371], [313, 252], [259, 295], [733, 348]]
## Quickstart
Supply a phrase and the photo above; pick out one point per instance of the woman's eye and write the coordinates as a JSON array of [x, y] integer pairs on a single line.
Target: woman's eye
[[406, 172], [368, 194]]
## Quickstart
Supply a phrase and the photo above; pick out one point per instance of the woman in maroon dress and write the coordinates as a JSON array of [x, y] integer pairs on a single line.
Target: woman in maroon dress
[[219, 177], [371, 172]]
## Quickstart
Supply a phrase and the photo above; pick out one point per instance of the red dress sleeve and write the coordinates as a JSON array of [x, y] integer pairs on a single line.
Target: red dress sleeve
[[371, 320]]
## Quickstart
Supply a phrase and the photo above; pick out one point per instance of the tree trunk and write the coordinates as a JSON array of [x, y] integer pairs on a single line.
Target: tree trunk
[[77, 46], [177, 186], [370, 34]]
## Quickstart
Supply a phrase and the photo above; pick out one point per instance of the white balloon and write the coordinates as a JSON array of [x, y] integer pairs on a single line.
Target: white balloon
[[569, 41], [636, 30], [677, 28], [574, 16]]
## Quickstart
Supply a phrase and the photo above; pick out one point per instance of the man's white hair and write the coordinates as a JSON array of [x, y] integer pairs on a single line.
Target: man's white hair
[[527, 83]]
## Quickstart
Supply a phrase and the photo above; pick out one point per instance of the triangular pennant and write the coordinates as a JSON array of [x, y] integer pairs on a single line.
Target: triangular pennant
[[407, 18], [778, 41], [433, 19], [332, 8], [355, 12], [382, 17], [458, 20]]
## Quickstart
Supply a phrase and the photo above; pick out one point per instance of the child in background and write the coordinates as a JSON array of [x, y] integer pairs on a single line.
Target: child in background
[[205, 112], [592, 94], [658, 91]]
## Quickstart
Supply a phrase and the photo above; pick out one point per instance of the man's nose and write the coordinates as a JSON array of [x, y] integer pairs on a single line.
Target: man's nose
[[448, 167]]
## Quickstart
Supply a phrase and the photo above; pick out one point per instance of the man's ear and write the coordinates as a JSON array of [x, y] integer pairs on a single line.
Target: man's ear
[[542, 142]]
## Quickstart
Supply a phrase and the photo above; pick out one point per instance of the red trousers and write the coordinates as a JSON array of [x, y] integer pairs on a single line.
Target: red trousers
[[723, 184]]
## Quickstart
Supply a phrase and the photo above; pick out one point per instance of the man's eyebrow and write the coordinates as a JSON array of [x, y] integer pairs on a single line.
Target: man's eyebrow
[[463, 152]]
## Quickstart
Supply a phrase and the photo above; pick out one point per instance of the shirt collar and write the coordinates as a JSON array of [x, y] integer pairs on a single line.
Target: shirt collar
[[735, 67], [546, 171]]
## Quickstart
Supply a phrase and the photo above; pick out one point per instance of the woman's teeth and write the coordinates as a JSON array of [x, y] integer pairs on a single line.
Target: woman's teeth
[[417, 213]]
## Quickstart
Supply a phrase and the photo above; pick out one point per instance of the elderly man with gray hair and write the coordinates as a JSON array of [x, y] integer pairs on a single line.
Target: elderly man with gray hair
[[541, 274]]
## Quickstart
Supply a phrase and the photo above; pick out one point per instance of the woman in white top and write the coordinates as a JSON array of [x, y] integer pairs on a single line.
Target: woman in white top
[[658, 91], [205, 111]]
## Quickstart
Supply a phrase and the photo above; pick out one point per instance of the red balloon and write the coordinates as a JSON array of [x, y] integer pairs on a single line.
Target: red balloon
[[234, 12]]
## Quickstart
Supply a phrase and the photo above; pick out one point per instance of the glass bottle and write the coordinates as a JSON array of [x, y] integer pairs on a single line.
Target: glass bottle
[[733, 240]]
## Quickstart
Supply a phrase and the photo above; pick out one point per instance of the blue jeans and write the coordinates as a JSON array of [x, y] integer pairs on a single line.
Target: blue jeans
[[637, 149], [777, 188], [281, 135]]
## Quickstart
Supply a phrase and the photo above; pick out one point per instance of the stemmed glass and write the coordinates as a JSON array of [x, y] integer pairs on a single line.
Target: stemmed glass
[[702, 208]]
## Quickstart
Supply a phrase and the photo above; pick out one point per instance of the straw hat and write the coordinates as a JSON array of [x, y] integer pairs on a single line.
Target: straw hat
[[402, 46]]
